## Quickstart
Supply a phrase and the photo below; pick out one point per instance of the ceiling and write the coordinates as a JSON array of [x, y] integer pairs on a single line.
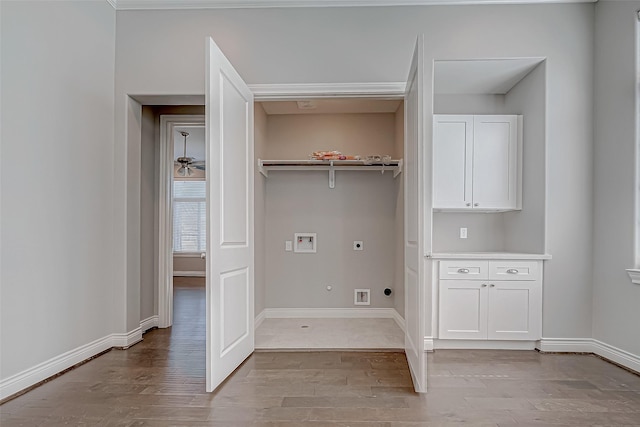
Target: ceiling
[[483, 76], [228, 4]]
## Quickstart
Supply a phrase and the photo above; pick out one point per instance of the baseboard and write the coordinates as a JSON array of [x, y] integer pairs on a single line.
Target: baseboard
[[194, 273], [330, 313], [46, 370], [259, 319], [124, 341], [589, 345], [148, 323], [428, 344], [399, 320], [483, 345], [27, 378]]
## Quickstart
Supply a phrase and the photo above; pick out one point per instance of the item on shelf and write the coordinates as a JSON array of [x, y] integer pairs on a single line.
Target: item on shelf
[[331, 155], [386, 159]]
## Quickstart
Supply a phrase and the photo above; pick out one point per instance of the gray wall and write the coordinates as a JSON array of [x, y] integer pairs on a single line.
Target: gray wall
[[57, 172], [615, 299], [274, 50]]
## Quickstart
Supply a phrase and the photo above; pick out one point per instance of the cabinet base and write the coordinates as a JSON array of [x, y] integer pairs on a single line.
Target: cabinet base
[[485, 345]]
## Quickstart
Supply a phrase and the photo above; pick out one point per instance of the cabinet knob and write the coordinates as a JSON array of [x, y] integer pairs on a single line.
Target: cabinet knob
[[476, 204], [468, 204], [463, 270], [512, 271], [484, 285], [492, 285]]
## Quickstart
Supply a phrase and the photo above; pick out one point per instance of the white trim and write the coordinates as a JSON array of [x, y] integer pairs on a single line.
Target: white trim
[[245, 4], [53, 366], [113, 3], [617, 355], [148, 323], [589, 345], [165, 219], [190, 273], [484, 344], [488, 255], [330, 313], [566, 345], [429, 344], [399, 320], [634, 275], [124, 341], [275, 92], [200, 255], [259, 319], [40, 372]]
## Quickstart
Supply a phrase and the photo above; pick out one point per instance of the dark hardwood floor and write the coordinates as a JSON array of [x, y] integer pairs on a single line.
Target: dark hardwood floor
[[160, 382]]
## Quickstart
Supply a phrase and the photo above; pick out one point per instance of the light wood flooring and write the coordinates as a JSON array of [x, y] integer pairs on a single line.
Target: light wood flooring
[[160, 382]]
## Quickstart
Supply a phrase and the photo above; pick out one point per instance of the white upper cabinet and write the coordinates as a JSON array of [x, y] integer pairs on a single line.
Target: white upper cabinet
[[476, 162]]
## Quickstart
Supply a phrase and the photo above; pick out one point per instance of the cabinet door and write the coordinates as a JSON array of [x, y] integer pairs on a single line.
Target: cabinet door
[[463, 309], [495, 162], [514, 310], [452, 154]]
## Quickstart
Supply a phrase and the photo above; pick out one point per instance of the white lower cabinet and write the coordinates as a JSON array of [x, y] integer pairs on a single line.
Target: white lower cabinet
[[502, 300]]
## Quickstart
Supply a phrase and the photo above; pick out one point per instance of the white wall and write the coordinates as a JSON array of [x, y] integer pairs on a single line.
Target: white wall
[[297, 45], [615, 299], [57, 230]]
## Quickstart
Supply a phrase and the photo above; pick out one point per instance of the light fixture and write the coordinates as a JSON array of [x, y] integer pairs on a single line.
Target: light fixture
[[185, 162]]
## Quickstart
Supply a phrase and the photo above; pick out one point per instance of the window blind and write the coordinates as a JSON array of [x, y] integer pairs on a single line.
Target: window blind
[[189, 216]]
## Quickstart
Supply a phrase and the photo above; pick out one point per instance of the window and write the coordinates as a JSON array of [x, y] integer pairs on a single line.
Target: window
[[189, 216]]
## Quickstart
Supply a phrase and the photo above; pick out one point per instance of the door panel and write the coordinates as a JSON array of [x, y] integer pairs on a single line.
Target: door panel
[[230, 258], [513, 310], [463, 309], [452, 153], [414, 292]]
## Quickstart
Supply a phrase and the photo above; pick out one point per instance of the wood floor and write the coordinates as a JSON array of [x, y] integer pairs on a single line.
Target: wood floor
[[160, 382]]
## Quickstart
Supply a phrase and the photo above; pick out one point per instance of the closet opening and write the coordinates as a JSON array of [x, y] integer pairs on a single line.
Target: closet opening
[[329, 224]]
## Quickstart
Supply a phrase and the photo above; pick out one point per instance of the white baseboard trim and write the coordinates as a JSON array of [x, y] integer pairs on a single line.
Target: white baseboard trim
[[49, 368], [259, 319], [399, 320], [590, 345], [330, 313], [483, 345], [566, 345], [25, 379], [428, 344], [194, 273], [148, 323]]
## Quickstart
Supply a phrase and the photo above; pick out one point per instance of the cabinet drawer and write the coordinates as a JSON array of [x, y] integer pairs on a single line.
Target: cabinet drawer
[[464, 269], [514, 270]]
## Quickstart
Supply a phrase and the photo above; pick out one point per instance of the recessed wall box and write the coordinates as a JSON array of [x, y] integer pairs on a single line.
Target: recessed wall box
[[362, 297], [305, 243]]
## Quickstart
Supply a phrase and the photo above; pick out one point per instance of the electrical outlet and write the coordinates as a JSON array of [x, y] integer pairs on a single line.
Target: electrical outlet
[[358, 245], [463, 232]]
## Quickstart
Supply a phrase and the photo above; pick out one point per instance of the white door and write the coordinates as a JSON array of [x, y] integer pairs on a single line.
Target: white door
[[230, 263], [414, 293], [514, 310], [495, 145], [452, 154]]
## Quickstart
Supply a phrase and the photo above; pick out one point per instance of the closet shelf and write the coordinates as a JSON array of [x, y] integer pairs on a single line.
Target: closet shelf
[[264, 166]]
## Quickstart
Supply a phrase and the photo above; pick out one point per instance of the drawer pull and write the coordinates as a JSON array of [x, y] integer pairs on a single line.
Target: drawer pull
[[463, 270], [484, 285], [492, 285], [512, 271]]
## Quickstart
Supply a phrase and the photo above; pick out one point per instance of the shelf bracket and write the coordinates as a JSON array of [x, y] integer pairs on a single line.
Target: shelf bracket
[[398, 170], [332, 176], [261, 169]]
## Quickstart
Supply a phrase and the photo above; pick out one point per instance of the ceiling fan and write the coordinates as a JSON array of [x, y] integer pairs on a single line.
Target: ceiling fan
[[188, 164]]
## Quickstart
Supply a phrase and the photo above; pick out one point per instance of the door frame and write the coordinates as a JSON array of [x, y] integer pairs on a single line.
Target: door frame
[[261, 92], [168, 122]]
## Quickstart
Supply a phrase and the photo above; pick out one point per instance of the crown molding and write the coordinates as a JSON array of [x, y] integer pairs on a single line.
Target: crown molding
[[252, 4], [281, 92]]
